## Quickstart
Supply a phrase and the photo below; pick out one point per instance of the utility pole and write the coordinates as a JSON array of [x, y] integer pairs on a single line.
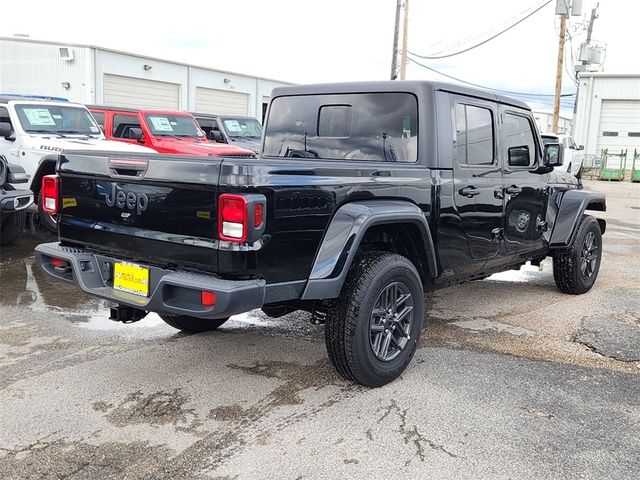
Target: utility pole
[[594, 15], [396, 33], [405, 39], [556, 100]]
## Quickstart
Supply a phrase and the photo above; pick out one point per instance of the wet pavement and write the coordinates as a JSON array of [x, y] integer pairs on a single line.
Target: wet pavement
[[512, 380]]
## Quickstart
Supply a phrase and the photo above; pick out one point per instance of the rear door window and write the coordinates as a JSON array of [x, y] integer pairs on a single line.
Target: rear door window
[[381, 127], [474, 135]]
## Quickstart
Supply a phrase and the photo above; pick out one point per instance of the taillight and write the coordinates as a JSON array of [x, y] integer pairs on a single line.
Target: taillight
[[258, 215], [50, 194], [232, 218]]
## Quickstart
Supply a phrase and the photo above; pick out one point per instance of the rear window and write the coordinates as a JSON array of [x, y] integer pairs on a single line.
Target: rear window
[[379, 127]]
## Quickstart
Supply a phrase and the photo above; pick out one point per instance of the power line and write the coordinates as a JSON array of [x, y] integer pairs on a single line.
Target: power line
[[484, 87], [437, 57]]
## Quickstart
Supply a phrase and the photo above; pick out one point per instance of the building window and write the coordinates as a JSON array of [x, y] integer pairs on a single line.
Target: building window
[[609, 134]]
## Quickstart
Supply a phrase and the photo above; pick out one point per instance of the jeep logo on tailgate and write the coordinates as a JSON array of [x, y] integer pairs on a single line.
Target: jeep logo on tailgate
[[129, 200]]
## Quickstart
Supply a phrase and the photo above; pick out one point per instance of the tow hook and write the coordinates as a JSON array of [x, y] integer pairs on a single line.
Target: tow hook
[[124, 314]]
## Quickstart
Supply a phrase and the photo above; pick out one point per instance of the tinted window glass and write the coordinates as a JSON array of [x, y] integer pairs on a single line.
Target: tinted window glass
[[609, 134], [371, 126], [4, 115], [122, 124], [518, 139], [207, 124], [634, 134], [474, 135], [99, 116], [335, 121]]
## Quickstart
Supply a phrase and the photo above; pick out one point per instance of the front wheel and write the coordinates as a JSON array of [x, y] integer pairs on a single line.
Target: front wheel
[[373, 327], [576, 267], [189, 324]]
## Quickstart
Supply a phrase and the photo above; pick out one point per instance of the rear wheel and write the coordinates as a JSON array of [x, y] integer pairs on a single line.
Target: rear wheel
[[193, 324], [46, 219], [373, 328], [11, 226], [576, 267]]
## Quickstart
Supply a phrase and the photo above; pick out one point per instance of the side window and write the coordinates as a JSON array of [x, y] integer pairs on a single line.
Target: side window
[[519, 146], [4, 115], [474, 135], [99, 116], [122, 124]]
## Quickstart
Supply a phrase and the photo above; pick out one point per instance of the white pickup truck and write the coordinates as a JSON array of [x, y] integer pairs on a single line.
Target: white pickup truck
[[32, 127]]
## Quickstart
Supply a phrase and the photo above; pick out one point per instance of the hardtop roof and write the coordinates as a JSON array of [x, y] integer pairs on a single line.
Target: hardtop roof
[[412, 86]]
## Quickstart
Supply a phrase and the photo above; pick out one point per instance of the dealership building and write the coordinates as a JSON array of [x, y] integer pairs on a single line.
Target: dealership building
[[95, 75], [608, 113]]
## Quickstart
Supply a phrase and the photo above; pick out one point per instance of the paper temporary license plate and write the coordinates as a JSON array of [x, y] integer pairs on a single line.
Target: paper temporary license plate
[[131, 278]]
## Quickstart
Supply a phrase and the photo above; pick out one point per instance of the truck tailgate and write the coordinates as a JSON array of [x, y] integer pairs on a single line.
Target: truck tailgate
[[155, 207]]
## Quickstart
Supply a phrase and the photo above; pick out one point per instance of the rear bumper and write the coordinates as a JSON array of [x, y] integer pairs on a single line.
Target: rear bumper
[[170, 291]]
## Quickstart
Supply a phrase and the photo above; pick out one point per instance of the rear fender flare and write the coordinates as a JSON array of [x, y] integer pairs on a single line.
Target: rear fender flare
[[573, 204], [344, 235], [48, 166]]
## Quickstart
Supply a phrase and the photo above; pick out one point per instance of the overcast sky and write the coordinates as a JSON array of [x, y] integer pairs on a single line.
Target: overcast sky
[[307, 41]]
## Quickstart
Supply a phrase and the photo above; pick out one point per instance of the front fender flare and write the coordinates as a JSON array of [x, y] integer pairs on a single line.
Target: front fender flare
[[573, 204], [344, 234]]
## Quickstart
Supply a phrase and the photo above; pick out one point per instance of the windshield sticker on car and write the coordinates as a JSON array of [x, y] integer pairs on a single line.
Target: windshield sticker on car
[[162, 124], [39, 117], [94, 129], [57, 117], [233, 126]]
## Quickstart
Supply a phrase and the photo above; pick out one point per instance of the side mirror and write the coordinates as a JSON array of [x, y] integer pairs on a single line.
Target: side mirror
[[553, 155], [216, 136], [135, 134], [6, 130], [519, 156], [580, 147]]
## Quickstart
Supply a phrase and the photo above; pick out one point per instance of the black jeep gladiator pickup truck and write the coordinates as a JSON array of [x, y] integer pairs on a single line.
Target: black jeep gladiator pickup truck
[[365, 196]]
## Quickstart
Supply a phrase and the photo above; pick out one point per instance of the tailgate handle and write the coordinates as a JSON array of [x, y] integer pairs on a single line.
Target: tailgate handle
[[128, 167]]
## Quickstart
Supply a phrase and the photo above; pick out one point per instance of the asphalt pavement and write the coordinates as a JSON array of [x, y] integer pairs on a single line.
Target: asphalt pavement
[[512, 379]]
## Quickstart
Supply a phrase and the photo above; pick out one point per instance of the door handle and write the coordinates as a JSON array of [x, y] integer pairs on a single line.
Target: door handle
[[498, 193], [513, 190], [470, 191]]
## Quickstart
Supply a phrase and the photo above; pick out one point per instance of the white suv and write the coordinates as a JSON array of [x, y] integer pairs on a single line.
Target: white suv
[[31, 128], [573, 154]]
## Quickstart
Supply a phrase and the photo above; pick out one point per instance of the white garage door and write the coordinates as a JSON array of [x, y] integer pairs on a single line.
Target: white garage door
[[209, 100], [140, 93], [619, 126]]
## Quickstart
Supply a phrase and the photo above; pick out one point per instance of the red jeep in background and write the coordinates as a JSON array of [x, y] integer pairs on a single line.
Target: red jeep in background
[[163, 131]]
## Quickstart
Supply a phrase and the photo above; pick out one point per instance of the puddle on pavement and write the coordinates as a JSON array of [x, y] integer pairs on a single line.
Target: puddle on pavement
[[525, 274], [482, 325]]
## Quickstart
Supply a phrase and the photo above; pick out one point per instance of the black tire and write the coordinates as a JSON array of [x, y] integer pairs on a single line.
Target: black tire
[[576, 267], [193, 324], [46, 219], [349, 334], [12, 226]]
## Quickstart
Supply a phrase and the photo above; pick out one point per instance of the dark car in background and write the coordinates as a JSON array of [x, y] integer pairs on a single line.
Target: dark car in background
[[239, 130]]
